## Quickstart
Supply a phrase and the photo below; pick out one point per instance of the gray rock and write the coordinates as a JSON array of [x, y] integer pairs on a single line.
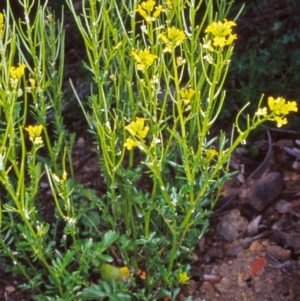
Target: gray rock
[[232, 225], [259, 193]]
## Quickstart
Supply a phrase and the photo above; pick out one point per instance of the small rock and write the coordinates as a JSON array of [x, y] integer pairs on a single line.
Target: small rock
[[288, 240], [10, 289], [80, 142], [201, 244], [213, 253], [212, 278], [241, 278], [256, 246], [222, 287], [253, 243], [232, 225], [253, 226], [279, 253], [207, 289], [283, 206], [238, 246], [259, 286], [261, 192]]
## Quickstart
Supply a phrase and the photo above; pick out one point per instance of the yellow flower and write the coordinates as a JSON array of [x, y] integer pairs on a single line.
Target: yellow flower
[[183, 277], [1, 21], [1, 26], [280, 107], [169, 4], [35, 133], [261, 112], [130, 143], [280, 121], [176, 35], [207, 45], [231, 38], [124, 272], [172, 38], [32, 83], [186, 95], [64, 176], [148, 5], [222, 32], [157, 12], [146, 8], [17, 72], [211, 153], [219, 41], [220, 29], [137, 128], [32, 86], [180, 61], [144, 59]]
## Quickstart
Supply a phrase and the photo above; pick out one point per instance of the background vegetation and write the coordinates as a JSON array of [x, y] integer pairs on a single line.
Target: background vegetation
[[266, 56]]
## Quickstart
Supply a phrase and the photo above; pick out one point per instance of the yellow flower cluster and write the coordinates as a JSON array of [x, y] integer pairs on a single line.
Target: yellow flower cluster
[[35, 133], [147, 11], [186, 95], [169, 4], [17, 72], [279, 107], [32, 83], [144, 59], [222, 32], [1, 26], [183, 277], [130, 143], [211, 153], [172, 38], [138, 129], [32, 86]]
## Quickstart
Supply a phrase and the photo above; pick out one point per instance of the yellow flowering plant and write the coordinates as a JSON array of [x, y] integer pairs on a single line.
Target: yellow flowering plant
[[31, 66], [165, 74], [149, 11], [157, 73]]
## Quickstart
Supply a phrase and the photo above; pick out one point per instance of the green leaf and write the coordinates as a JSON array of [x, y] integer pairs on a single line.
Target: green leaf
[[106, 287], [92, 292], [186, 189], [109, 238], [104, 257], [123, 296], [109, 272], [119, 296], [68, 257]]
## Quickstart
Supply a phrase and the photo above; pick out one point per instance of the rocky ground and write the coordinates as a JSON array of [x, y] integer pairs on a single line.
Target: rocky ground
[[252, 250]]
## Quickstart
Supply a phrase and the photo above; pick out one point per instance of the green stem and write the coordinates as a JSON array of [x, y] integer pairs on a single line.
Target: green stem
[[150, 209], [14, 259]]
